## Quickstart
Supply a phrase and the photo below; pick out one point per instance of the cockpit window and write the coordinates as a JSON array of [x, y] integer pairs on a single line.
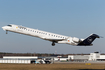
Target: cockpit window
[[9, 25]]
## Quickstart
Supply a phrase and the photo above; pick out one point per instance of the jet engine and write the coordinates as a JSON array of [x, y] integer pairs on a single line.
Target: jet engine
[[76, 40]]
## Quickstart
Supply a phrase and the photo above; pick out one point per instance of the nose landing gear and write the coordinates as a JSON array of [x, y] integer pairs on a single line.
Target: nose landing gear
[[6, 32]]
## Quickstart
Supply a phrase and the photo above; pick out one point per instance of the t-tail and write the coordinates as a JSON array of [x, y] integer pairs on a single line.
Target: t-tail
[[88, 41]]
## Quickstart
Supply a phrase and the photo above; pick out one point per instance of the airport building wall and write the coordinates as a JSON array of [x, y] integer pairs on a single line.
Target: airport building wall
[[102, 56], [25, 61], [63, 59], [20, 57], [92, 57], [78, 57]]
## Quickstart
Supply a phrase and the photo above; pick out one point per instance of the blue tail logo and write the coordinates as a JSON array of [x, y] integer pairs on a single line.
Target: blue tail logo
[[88, 40]]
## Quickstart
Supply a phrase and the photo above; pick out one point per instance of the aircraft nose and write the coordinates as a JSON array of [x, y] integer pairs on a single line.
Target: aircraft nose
[[3, 28]]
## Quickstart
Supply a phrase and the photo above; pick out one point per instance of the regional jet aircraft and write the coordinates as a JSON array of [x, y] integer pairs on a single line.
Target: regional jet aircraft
[[54, 38]]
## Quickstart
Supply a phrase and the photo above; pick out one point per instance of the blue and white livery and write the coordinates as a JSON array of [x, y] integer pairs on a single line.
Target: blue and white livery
[[54, 38]]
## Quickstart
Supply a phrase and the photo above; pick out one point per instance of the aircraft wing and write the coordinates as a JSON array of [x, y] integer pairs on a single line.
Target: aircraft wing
[[53, 40]]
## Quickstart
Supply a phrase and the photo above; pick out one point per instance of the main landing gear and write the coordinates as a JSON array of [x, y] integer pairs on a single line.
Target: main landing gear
[[53, 43]]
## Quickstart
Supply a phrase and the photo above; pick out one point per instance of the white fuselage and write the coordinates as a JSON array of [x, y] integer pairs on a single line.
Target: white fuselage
[[42, 34]]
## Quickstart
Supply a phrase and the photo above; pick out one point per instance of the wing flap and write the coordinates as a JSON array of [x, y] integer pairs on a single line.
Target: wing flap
[[51, 39]]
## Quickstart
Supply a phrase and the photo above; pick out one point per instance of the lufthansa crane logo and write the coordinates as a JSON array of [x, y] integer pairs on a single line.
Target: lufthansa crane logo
[[89, 39]]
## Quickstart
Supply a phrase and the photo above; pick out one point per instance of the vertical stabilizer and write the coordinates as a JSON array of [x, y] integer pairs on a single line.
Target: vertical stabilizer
[[89, 40]]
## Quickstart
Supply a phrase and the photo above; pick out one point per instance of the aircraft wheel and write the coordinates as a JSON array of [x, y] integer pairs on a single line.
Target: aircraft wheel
[[53, 44]]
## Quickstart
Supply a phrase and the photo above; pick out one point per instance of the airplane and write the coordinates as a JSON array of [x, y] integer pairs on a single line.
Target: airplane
[[54, 38]]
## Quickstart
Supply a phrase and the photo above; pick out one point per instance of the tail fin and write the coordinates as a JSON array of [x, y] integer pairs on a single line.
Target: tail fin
[[89, 40]]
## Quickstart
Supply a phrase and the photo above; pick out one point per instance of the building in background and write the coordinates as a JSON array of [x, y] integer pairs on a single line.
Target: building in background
[[96, 56], [18, 59]]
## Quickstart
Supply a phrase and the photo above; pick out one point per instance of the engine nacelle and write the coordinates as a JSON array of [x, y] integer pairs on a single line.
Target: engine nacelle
[[76, 40]]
